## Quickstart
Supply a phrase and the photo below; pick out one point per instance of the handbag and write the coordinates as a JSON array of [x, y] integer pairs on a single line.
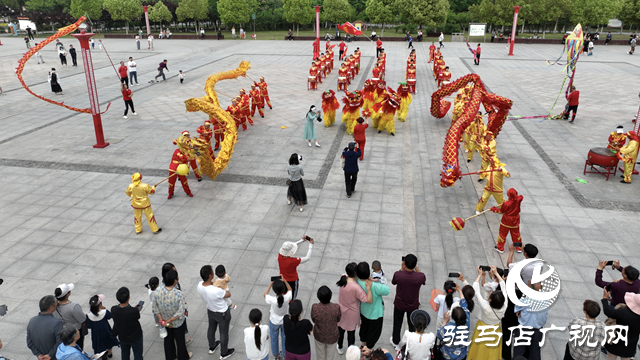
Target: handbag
[[403, 354], [436, 353], [288, 182], [342, 162]]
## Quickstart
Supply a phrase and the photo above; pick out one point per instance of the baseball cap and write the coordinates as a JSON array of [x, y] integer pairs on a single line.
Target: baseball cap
[[64, 289]]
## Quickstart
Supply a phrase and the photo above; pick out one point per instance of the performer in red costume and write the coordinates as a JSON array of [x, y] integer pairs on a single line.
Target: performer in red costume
[[376, 74], [328, 45], [411, 78], [359, 135], [313, 77], [264, 92], [177, 159], [184, 143], [218, 130], [357, 54], [378, 47], [316, 48], [318, 66], [510, 222], [330, 55], [256, 100], [246, 107], [206, 134], [343, 78], [233, 112]]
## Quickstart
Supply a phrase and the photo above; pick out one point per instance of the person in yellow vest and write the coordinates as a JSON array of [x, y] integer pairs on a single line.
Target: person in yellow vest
[[488, 152], [476, 131], [629, 154], [139, 193], [494, 184]]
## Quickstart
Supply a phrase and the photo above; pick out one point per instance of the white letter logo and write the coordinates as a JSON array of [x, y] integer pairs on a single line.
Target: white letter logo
[[542, 299]]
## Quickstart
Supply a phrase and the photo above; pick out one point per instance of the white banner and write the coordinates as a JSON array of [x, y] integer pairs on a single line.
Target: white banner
[[477, 29]]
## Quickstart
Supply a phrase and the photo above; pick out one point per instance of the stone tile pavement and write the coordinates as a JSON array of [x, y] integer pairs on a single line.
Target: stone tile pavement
[[64, 216]]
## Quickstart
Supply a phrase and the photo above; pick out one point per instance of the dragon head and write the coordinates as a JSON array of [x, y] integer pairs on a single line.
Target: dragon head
[[392, 97], [449, 175]]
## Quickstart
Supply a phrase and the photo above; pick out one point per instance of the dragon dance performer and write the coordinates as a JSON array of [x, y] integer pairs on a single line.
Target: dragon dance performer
[[376, 73], [488, 153], [313, 77], [139, 194], [328, 45], [497, 172], [178, 158], [629, 154], [218, 131], [351, 109], [329, 106], [352, 66], [510, 222], [246, 107], [343, 78], [184, 143], [411, 78], [323, 65], [206, 134], [405, 101], [476, 131], [264, 92], [432, 52], [318, 66], [438, 66], [458, 107], [233, 112], [239, 112], [385, 111], [617, 139], [256, 100], [357, 55]]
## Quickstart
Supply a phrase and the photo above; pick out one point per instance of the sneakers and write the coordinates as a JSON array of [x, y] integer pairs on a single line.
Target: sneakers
[[395, 346], [188, 341], [309, 144], [159, 229], [498, 250], [135, 113], [519, 250], [163, 332], [125, 117], [228, 354], [477, 212], [340, 350], [215, 347], [318, 145]]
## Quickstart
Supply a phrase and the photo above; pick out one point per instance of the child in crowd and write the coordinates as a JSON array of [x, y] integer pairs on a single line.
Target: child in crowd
[[256, 337], [152, 286], [590, 48], [377, 274], [222, 281], [444, 302], [181, 76], [98, 321]]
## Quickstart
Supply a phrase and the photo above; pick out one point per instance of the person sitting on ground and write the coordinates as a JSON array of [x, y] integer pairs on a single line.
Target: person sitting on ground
[[618, 288]]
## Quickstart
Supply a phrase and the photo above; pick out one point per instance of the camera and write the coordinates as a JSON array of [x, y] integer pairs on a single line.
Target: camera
[[485, 268]]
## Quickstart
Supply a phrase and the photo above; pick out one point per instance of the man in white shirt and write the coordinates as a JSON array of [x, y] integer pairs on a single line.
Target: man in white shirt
[[441, 39], [138, 42], [217, 311], [133, 70]]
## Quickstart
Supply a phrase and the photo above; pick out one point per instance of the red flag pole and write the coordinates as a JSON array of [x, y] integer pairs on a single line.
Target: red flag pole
[[513, 29]]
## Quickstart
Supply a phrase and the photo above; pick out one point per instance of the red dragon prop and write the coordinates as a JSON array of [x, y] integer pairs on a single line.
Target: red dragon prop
[[61, 32], [497, 106]]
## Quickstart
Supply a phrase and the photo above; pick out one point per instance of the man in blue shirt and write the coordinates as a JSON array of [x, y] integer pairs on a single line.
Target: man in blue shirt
[[532, 321]]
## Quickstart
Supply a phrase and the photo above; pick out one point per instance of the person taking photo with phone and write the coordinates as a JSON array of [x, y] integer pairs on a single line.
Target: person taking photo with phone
[[288, 264], [618, 288], [408, 281]]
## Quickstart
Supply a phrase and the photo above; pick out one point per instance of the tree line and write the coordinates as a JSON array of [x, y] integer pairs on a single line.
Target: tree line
[[401, 15]]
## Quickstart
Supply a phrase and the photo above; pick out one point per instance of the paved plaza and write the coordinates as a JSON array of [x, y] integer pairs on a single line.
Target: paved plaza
[[65, 217]]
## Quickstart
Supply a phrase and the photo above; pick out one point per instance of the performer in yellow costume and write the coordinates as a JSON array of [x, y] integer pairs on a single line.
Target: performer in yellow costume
[[629, 154], [494, 184], [475, 131], [139, 193], [487, 152]]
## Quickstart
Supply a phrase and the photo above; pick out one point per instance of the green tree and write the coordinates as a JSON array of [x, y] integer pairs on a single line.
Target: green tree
[[358, 5], [93, 8], [381, 12], [213, 10], [459, 6], [336, 11], [545, 11], [234, 11], [630, 13], [594, 12], [126, 10], [497, 12], [424, 12], [193, 9], [159, 13], [298, 12]]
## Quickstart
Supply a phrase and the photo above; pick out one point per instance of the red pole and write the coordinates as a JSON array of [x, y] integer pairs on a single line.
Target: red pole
[[83, 37], [146, 19], [513, 29], [318, 21]]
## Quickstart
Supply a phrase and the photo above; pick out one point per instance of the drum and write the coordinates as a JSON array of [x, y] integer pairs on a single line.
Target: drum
[[602, 157], [342, 79], [411, 81]]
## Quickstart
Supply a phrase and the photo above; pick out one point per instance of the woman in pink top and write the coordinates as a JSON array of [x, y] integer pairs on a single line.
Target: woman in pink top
[[349, 299]]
